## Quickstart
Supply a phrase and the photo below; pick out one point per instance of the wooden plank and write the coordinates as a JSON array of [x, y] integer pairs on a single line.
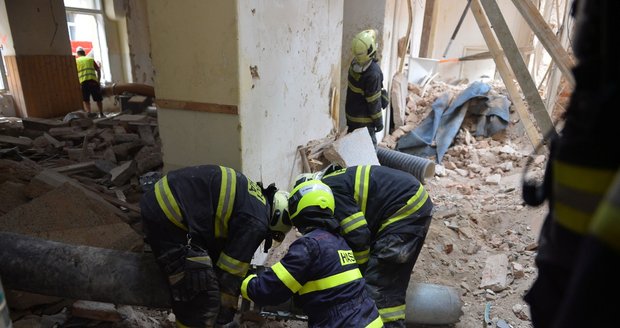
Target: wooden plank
[[427, 29], [548, 39], [518, 67], [76, 168], [505, 72], [197, 106], [15, 85]]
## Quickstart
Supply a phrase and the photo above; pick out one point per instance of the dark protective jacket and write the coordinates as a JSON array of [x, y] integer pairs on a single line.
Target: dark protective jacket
[[373, 200], [224, 211], [363, 103], [320, 270]]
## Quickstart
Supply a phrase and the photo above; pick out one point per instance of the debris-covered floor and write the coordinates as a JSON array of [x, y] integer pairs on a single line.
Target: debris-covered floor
[[482, 240]]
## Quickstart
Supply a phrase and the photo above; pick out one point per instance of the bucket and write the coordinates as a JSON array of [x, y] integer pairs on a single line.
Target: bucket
[[5, 320]]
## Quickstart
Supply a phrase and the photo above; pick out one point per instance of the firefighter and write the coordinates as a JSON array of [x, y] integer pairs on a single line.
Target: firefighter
[[204, 224], [384, 215], [319, 268], [365, 98], [579, 244]]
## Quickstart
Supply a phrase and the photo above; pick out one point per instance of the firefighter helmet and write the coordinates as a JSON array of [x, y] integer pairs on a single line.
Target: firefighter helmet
[[312, 196], [364, 46], [280, 222]]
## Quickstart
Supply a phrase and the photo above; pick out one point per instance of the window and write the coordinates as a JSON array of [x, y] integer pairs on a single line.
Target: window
[[86, 30]]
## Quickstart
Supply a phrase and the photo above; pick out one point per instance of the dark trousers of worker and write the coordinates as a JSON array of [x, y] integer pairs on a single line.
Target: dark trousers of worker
[[357, 312], [391, 261], [162, 235]]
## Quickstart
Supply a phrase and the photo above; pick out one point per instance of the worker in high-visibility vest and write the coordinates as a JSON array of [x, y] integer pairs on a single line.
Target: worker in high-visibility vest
[[89, 74], [319, 269], [204, 224], [579, 244]]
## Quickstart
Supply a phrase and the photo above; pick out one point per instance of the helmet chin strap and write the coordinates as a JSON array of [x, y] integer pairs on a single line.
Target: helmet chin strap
[[359, 68]]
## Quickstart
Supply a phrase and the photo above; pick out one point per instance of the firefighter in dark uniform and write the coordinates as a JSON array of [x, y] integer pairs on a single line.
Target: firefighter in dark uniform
[[384, 215], [204, 224], [364, 93], [319, 268], [579, 244]]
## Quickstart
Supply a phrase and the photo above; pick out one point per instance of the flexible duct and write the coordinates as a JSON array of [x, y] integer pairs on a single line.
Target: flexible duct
[[421, 168], [135, 88]]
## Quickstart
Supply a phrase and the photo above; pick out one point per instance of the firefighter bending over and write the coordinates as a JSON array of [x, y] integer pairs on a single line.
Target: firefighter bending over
[[319, 268], [204, 224]]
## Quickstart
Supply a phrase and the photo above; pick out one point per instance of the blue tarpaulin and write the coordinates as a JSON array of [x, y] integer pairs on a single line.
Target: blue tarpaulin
[[435, 133]]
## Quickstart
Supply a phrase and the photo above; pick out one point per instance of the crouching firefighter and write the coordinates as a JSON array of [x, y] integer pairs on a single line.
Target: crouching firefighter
[[319, 269], [384, 216], [204, 224]]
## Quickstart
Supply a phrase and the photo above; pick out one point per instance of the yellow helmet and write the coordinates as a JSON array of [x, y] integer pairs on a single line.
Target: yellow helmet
[[280, 223], [364, 46], [311, 196]]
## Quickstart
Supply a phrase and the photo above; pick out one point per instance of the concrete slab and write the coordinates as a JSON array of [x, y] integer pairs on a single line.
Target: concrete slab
[[355, 148]]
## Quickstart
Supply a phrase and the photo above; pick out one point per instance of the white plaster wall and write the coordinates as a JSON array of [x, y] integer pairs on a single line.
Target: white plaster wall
[[295, 48], [6, 37], [195, 55], [39, 27], [448, 14], [139, 43]]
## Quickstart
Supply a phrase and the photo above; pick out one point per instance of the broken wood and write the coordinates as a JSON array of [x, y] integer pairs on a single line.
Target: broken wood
[[505, 72], [76, 168], [21, 141], [518, 67], [548, 39]]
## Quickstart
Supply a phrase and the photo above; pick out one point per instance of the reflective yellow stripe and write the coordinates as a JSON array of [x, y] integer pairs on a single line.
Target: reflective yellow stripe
[[353, 222], [361, 257], [232, 265], [180, 325], [168, 204], [362, 181], [413, 204], [377, 323], [225, 201], [356, 89], [374, 97], [286, 277], [606, 223], [359, 119], [376, 115], [206, 260], [331, 281], [575, 200], [393, 313], [244, 287]]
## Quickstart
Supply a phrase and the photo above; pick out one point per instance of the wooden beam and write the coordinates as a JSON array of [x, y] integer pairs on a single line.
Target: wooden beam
[[548, 39], [505, 72], [427, 29], [518, 67]]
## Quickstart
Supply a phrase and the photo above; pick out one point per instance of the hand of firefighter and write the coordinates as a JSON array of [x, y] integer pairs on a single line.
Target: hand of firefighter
[[378, 125]]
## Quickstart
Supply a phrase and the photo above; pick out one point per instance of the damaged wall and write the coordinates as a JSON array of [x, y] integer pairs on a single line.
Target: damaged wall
[[469, 40], [289, 61]]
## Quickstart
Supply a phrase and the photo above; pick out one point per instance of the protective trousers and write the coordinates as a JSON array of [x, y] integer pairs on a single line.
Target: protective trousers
[[202, 307], [392, 258]]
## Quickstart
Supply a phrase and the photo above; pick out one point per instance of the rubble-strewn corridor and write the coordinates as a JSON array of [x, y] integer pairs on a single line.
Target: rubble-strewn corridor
[[476, 92]]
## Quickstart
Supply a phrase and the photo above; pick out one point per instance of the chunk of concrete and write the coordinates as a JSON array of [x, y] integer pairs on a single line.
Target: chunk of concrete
[[352, 149], [495, 273]]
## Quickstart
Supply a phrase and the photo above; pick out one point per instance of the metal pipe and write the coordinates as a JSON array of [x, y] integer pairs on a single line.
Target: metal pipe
[[135, 88], [421, 168], [97, 274], [81, 272]]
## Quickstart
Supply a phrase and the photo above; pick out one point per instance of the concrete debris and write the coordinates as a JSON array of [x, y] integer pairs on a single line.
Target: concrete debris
[[354, 148], [495, 275], [95, 310]]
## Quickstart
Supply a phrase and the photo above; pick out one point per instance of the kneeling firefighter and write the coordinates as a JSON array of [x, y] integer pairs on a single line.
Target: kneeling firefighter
[[319, 269]]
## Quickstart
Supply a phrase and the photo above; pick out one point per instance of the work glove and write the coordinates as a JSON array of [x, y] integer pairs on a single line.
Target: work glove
[[190, 272], [227, 310], [378, 125]]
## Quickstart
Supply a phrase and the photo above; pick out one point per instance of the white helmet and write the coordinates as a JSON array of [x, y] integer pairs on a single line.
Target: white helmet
[[280, 223]]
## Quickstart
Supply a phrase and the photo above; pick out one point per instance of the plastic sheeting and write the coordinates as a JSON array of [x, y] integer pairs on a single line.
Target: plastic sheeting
[[437, 131]]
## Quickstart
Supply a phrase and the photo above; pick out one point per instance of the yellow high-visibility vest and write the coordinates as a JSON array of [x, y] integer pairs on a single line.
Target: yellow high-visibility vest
[[86, 69]]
